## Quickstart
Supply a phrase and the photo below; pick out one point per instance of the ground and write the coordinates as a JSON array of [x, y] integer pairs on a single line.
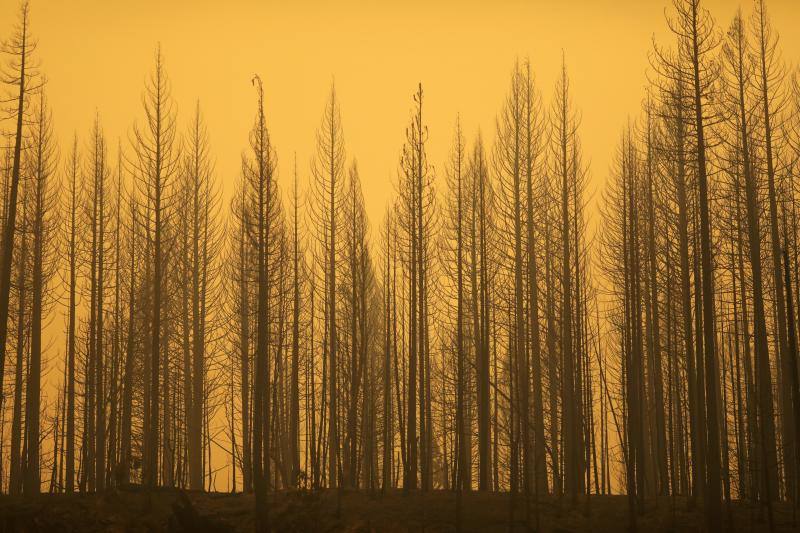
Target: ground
[[134, 510]]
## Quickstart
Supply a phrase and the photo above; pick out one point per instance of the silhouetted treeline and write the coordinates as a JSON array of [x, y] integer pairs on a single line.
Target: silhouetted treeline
[[700, 250], [482, 336]]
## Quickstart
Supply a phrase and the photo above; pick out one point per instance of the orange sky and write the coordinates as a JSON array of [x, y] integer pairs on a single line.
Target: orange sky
[[96, 56]]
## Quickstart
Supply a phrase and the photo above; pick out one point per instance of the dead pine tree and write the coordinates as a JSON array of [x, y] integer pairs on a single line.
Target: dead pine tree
[[509, 162], [327, 169], [388, 443], [259, 175], [565, 164], [701, 43], [241, 276], [71, 209], [415, 219], [768, 86], [132, 326], [21, 73], [736, 86], [794, 385], [199, 247], [478, 207], [655, 386], [532, 127], [453, 260], [41, 164], [693, 68], [155, 163], [620, 239], [294, 399], [112, 453], [22, 341], [98, 221], [356, 283]]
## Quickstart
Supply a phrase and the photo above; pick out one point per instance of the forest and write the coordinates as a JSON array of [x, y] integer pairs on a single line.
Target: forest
[[500, 333]]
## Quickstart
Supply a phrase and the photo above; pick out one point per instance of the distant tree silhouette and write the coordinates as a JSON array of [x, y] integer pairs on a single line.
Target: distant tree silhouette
[[155, 164], [22, 74]]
